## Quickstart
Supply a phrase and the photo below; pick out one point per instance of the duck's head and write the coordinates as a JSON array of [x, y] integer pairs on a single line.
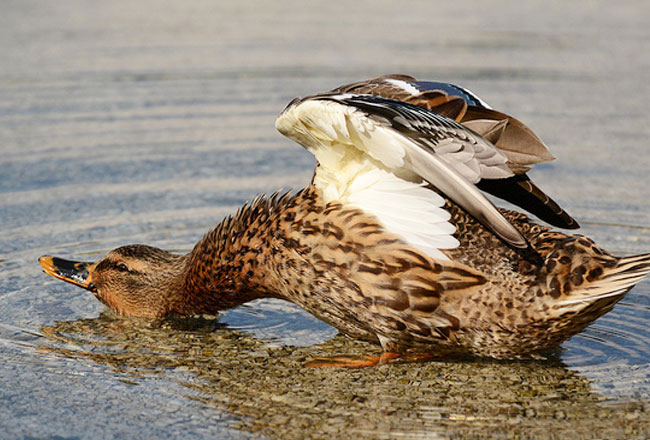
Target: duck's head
[[134, 280]]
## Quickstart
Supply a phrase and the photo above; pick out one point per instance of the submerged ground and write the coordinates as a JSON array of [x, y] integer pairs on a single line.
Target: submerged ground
[[148, 122]]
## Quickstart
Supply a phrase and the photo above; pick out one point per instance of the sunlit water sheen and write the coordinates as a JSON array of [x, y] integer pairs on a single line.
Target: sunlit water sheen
[[148, 124]]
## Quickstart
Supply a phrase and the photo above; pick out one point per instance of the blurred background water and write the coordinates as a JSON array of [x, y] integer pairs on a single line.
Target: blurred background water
[[147, 122]]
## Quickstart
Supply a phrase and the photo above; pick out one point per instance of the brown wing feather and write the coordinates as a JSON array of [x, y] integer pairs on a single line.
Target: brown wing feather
[[521, 146]]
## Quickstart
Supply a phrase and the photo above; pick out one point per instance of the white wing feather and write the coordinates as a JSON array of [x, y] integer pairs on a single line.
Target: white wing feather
[[339, 134], [405, 208]]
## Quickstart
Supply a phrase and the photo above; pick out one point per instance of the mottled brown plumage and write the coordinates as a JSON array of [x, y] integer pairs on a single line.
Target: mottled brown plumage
[[340, 264]]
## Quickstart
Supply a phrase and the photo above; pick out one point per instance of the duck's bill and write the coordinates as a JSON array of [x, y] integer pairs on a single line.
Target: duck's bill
[[74, 272]]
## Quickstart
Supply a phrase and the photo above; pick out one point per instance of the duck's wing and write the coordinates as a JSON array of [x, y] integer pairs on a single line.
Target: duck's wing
[[402, 137], [510, 136]]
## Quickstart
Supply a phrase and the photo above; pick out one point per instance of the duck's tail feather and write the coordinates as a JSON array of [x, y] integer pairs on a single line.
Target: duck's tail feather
[[604, 290]]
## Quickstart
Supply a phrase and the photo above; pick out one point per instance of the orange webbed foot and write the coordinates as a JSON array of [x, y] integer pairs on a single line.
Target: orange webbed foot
[[353, 361]]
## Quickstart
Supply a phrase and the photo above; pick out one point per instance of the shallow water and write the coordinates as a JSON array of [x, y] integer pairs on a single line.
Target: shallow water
[[148, 123]]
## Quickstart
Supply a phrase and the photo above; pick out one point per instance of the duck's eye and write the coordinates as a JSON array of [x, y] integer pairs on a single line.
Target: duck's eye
[[122, 267]]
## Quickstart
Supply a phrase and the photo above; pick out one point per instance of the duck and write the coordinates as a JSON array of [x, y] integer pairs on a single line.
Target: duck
[[393, 241]]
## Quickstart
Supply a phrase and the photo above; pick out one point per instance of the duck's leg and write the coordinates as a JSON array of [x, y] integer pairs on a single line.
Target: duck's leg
[[353, 361], [385, 357]]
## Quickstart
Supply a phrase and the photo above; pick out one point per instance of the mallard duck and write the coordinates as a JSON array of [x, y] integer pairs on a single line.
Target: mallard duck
[[393, 241]]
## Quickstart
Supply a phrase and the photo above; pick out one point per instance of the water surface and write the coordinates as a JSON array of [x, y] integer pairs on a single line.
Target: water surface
[[149, 122]]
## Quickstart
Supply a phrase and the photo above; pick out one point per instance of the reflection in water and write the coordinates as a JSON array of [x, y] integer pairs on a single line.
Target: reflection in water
[[275, 395]]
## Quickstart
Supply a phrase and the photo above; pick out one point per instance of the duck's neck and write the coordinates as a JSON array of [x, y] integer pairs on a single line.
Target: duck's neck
[[230, 265]]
